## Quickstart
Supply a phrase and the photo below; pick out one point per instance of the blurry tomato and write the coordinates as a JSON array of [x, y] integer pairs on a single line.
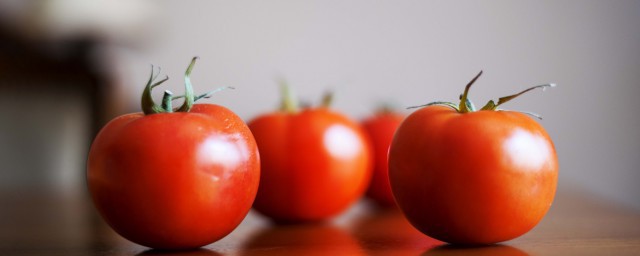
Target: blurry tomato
[[380, 129], [315, 163]]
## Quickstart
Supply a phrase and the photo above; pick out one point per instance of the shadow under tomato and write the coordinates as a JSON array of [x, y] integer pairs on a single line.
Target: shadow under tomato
[[307, 239], [496, 249], [194, 252], [387, 231]]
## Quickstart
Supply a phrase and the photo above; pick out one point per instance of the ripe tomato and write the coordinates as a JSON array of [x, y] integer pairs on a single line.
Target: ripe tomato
[[473, 177], [380, 129], [174, 180], [314, 162]]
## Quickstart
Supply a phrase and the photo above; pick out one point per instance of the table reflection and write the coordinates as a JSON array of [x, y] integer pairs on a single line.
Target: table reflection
[[387, 232], [309, 239], [197, 252], [489, 250]]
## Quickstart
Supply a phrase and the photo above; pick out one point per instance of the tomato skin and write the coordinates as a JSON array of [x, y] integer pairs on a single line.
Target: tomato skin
[[174, 180], [381, 128], [315, 164], [475, 178]]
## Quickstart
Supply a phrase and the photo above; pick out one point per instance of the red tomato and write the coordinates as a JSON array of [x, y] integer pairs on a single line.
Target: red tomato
[[380, 129], [314, 163], [174, 180], [470, 177]]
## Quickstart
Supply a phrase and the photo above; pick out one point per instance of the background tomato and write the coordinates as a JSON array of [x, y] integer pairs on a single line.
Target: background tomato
[[174, 180], [315, 163], [380, 129], [472, 177]]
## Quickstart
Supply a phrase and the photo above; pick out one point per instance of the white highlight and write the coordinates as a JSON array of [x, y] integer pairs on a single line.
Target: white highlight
[[341, 141], [223, 151], [527, 151]]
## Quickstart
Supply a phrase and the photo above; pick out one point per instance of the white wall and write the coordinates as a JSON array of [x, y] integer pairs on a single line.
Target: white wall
[[414, 52]]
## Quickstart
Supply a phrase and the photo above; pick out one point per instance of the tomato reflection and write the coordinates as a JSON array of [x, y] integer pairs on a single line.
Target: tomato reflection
[[490, 250], [197, 252], [312, 239], [387, 232]]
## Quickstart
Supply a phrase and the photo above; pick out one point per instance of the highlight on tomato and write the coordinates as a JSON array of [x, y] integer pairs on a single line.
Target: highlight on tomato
[[380, 129], [315, 162], [467, 176], [174, 178]]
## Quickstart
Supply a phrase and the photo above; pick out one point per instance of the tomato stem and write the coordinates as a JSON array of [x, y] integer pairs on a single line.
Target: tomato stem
[[289, 103], [385, 108], [444, 103], [188, 88], [150, 107], [205, 95], [166, 101], [327, 99], [491, 105], [147, 103], [465, 105]]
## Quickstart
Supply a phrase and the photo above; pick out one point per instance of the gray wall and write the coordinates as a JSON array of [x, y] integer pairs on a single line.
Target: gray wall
[[414, 52]]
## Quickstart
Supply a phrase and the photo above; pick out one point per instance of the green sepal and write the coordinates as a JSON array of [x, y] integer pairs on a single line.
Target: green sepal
[[442, 103], [147, 104], [491, 105]]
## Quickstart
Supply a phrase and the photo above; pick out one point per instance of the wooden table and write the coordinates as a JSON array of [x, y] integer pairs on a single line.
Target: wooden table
[[50, 223]]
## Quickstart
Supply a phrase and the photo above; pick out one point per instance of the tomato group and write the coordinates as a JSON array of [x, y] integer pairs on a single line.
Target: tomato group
[[314, 163], [380, 129], [472, 177], [174, 180]]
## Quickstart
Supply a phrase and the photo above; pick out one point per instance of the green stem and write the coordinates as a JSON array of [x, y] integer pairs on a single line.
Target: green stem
[[166, 101], [147, 103], [205, 95], [150, 107], [491, 105], [464, 103], [188, 89], [443, 103], [289, 104], [327, 100]]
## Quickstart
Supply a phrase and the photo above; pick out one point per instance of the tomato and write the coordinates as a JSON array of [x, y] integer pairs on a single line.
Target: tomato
[[380, 129], [174, 180], [472, 177], [314, 163]]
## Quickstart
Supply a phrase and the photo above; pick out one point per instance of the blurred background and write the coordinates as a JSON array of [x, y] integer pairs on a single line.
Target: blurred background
[[68, 66]]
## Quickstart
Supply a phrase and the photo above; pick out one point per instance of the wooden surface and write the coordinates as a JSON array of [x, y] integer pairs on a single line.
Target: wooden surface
[[57, 224]]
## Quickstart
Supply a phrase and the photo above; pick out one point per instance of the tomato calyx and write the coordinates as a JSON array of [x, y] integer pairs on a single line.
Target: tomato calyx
[[150, 107], [290, 103], [466, 106]]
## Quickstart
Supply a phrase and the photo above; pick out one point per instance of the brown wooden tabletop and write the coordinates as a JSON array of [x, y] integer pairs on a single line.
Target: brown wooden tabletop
[[58, 224]]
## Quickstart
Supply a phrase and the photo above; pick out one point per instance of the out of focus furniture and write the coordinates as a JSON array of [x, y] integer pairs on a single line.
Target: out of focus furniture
[[53, 100], [54, 68]]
